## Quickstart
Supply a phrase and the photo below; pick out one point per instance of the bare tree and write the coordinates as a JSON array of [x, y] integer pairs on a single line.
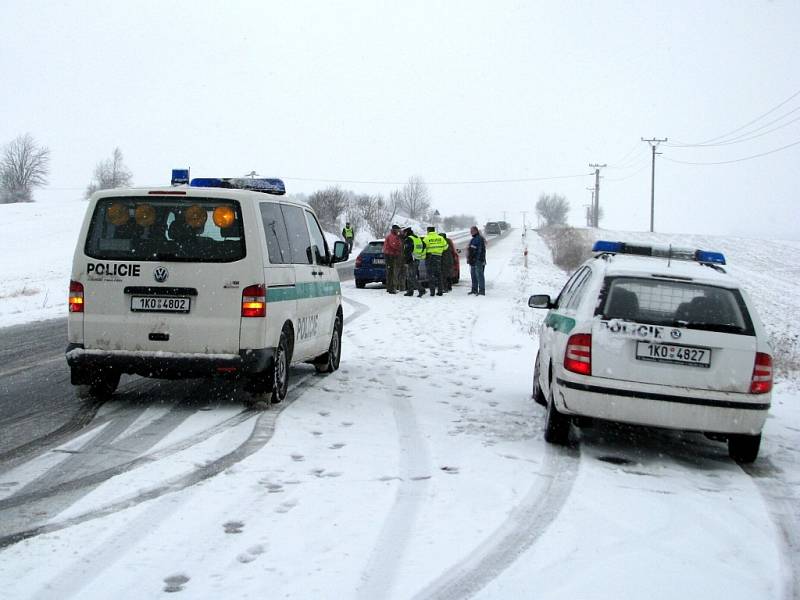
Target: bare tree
[[353, 214], [553, 208], [329, 204], [378, 213], [415, 199], [24, 165], [110, 173]]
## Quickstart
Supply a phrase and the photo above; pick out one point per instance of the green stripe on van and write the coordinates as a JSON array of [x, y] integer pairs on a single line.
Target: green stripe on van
[[560, 323], [301, 291]]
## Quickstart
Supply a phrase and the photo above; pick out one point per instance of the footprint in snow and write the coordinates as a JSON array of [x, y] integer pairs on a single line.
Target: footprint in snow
[[316, 433], [347, 423], [390, 478], [285, 507], [251, 553], [450, 470], [493, 404], [175, 583], [274, 488], [488, 390], [332, 474], [324, 413], [233, 527], [420, 478], [298, 457], [337, 445], [317, 472]]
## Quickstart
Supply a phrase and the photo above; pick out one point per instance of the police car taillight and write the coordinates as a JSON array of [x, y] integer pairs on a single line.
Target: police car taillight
[[761, 382], [578, 355], [75, 297], [254, 301]]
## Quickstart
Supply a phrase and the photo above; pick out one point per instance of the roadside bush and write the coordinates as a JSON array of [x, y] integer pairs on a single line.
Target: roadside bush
[[569, 247]]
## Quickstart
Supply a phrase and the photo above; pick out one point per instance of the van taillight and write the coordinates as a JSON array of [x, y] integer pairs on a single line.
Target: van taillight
[[578, 356], [761, 383], [75, 297], [254, 301]]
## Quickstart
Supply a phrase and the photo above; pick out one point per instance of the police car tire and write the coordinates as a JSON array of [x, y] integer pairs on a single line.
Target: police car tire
[[104, 384], [744, 448], [360, 284], [279, 372], [556, 425], [329, 362]]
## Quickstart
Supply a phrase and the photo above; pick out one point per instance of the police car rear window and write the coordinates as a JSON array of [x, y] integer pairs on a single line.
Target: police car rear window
[[675, 303], [153, 228]]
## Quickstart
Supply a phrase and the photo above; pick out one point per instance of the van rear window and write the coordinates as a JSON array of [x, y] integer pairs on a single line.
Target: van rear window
[[675, 303], [153, 228]]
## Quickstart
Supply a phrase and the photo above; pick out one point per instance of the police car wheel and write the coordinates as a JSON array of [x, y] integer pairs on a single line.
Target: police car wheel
[[280, 369], [329, 362], [556, 425], [360, 284], [744, 448], [104, 384]]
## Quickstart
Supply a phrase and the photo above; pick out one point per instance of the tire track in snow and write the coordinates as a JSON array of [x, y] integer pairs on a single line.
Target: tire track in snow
[[378, 578], [526, 523], [262, 433], [784, 510]]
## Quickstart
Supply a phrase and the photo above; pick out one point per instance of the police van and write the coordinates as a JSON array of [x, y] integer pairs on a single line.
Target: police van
[[214, 276]]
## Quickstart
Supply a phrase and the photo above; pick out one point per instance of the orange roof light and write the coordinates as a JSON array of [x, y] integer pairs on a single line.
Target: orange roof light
[[224, 216], [117, 214], [145, 215]]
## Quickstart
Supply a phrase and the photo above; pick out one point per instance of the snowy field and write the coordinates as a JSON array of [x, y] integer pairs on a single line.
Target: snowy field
[[418, 470]]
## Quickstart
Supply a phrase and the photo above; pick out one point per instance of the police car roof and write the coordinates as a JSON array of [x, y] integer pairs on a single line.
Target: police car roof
[[185, 191], [637, 266]]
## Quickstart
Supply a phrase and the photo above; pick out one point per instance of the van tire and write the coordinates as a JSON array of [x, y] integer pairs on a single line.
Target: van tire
[[537, 393], [556, 425], [279, 371], [104, 383], [329, 362], [360, 284], [744, 448]]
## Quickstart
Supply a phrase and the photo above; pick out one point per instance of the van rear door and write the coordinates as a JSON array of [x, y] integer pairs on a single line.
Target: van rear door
[[159, 275]]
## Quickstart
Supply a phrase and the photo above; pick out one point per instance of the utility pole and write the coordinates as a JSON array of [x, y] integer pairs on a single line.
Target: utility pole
[[524, 227], [590, 210], [654, 142], [596, 201]]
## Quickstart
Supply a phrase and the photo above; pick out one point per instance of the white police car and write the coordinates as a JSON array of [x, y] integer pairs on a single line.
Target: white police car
[[659, 337], [217, 277]]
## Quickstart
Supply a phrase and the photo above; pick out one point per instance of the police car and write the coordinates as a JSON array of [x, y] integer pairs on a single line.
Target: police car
[[217, 276], [655, 336]]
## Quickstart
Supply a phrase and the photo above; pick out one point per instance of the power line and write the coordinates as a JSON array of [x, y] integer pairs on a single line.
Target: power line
[[636, 172], [758, 118], [451, 182], [744, 137], [727, 162]]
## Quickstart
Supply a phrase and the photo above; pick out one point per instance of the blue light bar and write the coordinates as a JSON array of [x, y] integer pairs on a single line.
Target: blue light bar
[[268, 186], [604, 246], [704, 256], [180, 177]]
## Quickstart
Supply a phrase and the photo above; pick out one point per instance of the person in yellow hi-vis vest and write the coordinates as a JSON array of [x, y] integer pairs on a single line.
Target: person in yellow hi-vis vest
[[349, 235], [413, 253], [435, 245]]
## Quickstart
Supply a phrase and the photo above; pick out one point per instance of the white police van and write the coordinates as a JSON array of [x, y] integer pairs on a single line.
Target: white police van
[[655, 336], [211, 277]]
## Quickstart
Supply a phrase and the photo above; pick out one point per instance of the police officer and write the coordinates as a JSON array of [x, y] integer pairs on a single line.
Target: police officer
[[435, 245], [413, 252], [348, 234]]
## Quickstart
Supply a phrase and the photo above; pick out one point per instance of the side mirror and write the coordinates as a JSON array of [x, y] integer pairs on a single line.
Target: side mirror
[[540, 301], [341, 252]]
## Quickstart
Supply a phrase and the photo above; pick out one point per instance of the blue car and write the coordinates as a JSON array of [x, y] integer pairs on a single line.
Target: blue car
[[370, 265]]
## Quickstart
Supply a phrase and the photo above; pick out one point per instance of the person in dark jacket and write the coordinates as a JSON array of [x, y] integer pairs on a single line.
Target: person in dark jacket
[[413, 252], [447, 265], [476, 259]]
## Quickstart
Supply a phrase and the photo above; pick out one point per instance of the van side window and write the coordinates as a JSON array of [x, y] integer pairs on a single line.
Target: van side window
[[299, 240], [320, 247], [275, 232]]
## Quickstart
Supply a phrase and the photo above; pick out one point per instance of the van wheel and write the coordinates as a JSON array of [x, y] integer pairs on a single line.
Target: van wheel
[[744, 448], [280, 369], [360, 284], [104, 383], [537, 394], [556, 425], [329, 362]]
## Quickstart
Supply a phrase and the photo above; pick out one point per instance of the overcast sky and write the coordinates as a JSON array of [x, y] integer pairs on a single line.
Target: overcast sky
[[449, 91]]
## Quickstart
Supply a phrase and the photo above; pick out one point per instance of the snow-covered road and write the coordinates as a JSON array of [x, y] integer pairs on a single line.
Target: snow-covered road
[[416, 470]]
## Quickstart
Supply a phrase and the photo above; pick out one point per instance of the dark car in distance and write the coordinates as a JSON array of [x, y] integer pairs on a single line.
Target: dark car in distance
[[371, 266], [492, 228]]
